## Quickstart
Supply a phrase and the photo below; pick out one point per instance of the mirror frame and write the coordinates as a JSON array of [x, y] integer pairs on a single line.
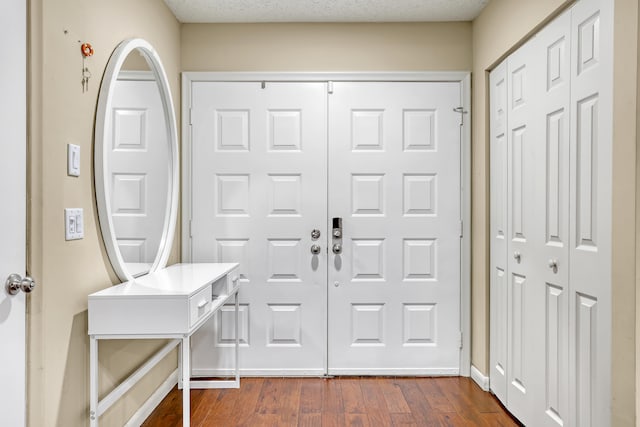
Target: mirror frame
[[101, 171]]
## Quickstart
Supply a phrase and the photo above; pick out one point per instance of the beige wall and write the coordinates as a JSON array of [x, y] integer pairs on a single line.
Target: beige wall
[[501, 27], [67, 272], [327, 47]]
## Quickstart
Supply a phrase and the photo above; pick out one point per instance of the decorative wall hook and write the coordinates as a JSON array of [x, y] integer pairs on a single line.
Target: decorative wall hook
[[87, 51]]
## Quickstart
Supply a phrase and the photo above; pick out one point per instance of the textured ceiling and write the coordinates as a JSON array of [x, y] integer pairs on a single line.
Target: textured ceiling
[[325, 10]]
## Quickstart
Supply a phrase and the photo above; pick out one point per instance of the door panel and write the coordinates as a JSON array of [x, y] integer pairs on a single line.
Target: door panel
[[259, 189], [590, 213], [499, 232], [394, 180], [552, 406], [13, 48], [525, 189]]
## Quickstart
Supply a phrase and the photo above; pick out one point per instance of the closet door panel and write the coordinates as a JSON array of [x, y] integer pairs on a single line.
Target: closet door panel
[[525, 226], [499, 201], [590, 213], [552, 404]]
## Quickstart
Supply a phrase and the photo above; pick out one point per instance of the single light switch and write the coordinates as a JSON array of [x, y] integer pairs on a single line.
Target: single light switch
[[73, 160], [73, 223]]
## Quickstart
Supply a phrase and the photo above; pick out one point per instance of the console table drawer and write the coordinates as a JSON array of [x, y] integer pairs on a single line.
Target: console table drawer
[[199, 305]]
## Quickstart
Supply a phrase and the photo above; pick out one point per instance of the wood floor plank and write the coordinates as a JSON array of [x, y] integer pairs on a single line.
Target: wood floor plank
[[356, 420], [310, 419], [332, 398], [393, 397], [453, 420], [332, 419], [213, 408], [404, 420], [245, 404], [311, 395], [499, 420], [461, 402], [337, 402], [374, 402], [352, 396], [420, 408], [436, 398]]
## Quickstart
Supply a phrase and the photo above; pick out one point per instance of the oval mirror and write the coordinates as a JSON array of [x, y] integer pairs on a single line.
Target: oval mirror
[[136, 161]]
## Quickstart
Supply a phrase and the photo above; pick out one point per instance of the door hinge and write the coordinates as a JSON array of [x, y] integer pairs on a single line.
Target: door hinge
[[460, 340], [329, 87], [461, 229], [190, 228], [190, 116]]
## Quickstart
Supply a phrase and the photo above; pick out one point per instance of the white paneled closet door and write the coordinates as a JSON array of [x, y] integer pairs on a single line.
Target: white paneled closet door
[[525, 229], [591, 143], [552, 402], [498, 232], [550, 259]]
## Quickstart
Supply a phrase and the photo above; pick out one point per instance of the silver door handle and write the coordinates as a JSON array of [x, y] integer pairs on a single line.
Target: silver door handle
[[337, 248], [517, 256], [315, 249], [553, 265], [16, 283]]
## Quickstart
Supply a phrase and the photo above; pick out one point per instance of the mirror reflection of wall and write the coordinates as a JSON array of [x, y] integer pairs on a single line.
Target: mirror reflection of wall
[[137, 163]]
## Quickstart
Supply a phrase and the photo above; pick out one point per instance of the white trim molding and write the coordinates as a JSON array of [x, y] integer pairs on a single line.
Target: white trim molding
[[480, 379]]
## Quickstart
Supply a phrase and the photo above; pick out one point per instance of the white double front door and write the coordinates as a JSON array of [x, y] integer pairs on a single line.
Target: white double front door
[[271, 163]]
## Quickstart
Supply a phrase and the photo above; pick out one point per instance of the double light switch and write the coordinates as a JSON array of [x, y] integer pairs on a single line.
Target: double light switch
[[73, 224]]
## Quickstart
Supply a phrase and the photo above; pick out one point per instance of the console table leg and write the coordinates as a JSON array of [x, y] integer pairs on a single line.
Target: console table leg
[[93, 380], [186, 383], [237, 309]]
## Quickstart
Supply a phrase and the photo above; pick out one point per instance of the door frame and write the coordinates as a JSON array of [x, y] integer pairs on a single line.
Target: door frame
[[461, 77]]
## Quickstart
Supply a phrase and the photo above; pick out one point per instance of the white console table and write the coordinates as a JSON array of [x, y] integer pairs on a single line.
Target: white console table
[[171, 303]]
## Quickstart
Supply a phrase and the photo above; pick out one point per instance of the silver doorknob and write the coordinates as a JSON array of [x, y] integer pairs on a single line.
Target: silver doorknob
[[553, 264], [337, 248], [517, 256], [315, 249], [15, 283]]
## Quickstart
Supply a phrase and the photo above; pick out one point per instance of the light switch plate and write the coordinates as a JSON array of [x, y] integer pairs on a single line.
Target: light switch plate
[[73, 160], [73, 223]]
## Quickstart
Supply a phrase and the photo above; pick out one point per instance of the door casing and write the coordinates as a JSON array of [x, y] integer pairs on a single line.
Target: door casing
[[462, 77]]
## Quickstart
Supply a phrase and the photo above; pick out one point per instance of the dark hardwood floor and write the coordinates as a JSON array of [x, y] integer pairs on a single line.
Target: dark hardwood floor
[[447, 401]]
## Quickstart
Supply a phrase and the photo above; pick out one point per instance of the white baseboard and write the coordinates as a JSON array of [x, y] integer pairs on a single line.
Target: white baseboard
[[152, 402], [479, 378]]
